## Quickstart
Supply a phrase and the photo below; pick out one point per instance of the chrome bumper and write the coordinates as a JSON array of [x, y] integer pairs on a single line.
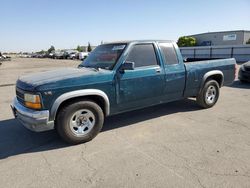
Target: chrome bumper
[[33, 120]]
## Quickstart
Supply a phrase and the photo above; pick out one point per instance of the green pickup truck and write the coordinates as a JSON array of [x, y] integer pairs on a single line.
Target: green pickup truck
[[115, 78]]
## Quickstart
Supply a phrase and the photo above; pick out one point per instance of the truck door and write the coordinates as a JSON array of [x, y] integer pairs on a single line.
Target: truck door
[[143, 85], [175, 72]]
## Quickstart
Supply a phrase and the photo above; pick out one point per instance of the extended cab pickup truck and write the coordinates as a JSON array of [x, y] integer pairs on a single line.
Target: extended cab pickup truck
[[116, 77]]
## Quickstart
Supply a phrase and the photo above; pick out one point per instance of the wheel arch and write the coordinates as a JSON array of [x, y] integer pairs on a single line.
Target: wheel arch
[[96, 95], [216, 75]]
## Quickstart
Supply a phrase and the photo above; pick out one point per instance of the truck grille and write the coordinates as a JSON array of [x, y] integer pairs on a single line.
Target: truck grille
[[20, 95]]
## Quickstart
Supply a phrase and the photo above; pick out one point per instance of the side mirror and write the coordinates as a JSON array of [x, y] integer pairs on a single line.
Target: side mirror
[[127, 65]]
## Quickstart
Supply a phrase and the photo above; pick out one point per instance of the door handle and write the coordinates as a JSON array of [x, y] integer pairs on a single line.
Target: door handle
[[158, 70]]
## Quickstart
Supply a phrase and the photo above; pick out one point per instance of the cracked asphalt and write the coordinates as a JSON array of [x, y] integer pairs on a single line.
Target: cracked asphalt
[[171, 145]]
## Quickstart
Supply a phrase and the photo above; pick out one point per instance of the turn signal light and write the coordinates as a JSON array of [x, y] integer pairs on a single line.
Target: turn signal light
[[33, 105]]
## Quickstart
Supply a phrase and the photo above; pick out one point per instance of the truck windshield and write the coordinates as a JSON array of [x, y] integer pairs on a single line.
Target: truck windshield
[[104, 56]]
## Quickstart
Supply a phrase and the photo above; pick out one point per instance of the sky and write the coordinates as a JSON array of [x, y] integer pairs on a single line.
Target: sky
[[29, 26]]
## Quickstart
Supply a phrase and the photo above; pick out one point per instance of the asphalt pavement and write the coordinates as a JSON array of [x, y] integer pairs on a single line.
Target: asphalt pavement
[[171, 145]]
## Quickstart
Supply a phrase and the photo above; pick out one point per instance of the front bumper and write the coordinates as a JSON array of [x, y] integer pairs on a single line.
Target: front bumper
[[33, 120], [244, 75]]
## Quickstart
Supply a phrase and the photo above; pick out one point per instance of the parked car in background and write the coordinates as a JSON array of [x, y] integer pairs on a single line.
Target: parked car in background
[[34, 55], [83, 55], [59, 54], [42, 55], [4, 57], [70, 54], [23, 55], [244, 72], [26, 55], [51, 55]]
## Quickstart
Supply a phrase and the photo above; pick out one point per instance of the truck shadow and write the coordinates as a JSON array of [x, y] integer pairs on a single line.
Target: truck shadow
[[240, 85], [15, 139], [136, 116]]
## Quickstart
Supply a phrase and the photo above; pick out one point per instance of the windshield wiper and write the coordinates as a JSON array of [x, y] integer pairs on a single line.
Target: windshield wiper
[[93, 68], [104, 68]]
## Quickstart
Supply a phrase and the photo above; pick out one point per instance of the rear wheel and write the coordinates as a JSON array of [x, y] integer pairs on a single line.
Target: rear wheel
[[209, 94], [79, 121]]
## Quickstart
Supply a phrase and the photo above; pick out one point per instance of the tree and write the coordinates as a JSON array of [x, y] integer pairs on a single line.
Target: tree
[[79, 48], [248, 42], [186, 41], [51, 49], [89, 47]]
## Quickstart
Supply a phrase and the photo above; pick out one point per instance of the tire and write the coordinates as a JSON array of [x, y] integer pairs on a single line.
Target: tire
[[79, 121], [243, 81], [209, 94]]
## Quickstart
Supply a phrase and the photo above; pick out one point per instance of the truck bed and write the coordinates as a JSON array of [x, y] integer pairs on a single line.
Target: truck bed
[[196, 70]]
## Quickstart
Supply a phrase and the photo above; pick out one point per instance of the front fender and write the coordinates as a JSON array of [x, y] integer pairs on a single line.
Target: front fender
[[79, 93]]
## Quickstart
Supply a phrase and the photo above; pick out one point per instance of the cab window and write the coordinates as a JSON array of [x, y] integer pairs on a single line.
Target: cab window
[[169, 53], [143, 55]]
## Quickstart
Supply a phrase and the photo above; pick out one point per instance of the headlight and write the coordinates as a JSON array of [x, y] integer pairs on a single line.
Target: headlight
[[242, 67], [32, 101]]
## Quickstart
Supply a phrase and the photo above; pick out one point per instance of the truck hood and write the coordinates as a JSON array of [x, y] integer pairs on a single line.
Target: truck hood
[[31, 81]]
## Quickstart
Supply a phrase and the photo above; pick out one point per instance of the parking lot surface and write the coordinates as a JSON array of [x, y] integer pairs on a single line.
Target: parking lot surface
[[170, 145]]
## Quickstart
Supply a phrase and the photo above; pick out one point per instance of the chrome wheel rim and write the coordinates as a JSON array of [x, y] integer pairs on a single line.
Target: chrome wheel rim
[[82, 122], [211, 95]]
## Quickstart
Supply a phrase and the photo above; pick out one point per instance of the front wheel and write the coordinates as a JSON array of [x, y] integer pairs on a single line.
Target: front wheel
[[209, 94], [79, 121]]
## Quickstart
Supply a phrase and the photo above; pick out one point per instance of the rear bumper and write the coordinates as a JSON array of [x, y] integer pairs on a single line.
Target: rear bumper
[[33, 120]]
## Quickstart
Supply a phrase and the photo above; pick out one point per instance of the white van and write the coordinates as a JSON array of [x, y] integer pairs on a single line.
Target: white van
[[83, 55]]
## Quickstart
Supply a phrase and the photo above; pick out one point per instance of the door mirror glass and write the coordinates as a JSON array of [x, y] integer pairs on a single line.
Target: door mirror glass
[[128, 65]]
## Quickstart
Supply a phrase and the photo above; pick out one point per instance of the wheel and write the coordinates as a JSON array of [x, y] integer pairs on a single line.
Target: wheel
[[209, 94], [79, 121]]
